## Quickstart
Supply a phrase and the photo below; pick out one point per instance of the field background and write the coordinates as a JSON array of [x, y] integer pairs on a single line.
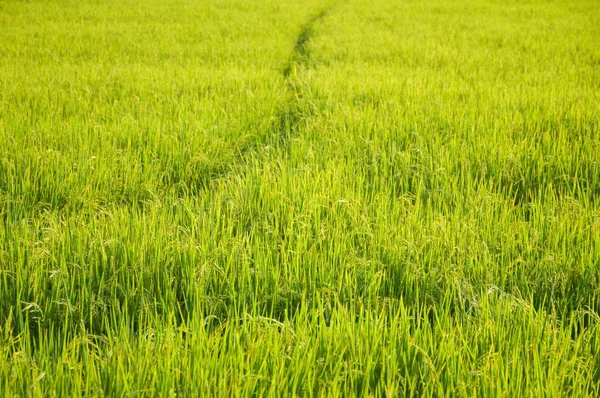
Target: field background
[[234, 197]]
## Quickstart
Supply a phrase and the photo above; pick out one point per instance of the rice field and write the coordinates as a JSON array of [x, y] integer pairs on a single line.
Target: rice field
[[317, 198]]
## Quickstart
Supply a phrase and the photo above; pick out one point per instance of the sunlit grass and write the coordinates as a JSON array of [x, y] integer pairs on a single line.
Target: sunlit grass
[[340, 198]]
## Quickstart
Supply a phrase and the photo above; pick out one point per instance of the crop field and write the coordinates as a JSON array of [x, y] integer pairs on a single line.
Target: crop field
[[316, 198]]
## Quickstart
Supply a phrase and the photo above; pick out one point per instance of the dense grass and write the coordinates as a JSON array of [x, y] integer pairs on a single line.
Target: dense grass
[[269, 198]]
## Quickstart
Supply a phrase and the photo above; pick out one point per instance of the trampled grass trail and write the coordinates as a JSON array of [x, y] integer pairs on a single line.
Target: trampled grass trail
[[327, 198]]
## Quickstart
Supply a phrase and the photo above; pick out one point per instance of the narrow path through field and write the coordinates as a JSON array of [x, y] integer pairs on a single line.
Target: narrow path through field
[[301, 55], [295, 108]]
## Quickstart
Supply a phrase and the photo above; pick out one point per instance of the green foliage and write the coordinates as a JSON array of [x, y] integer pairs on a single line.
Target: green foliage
[[324, 198]]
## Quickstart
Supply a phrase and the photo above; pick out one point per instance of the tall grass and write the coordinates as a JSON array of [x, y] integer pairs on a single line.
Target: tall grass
[[326, 198]]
